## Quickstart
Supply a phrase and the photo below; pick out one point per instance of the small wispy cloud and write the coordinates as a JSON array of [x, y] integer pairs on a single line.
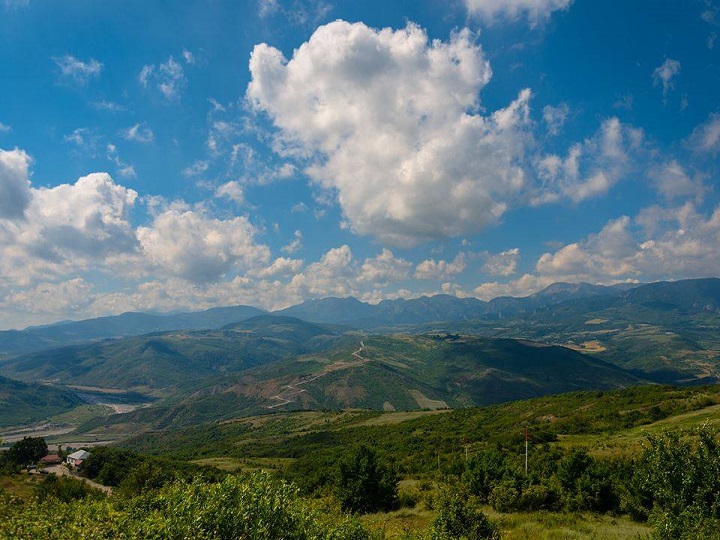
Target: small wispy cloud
[[139, 133], [123, 169], [167, 78], [555, 117], [16, 4], [77, 70], [295, 245], [85, 140], [231, 190], [665, 74], [297, 13], [108, 106], [188, 57], [4, 128], [196, 169]]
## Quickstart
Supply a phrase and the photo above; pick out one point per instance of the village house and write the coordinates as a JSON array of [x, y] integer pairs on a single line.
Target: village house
[[76, 458], [50, 459]]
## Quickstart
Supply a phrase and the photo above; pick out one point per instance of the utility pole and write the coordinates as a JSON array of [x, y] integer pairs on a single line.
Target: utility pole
[[526, 450]]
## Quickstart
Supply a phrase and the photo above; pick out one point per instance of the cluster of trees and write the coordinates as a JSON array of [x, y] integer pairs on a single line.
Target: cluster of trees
[[133, 474], [365, 484], [557, 480], [26, 451], [674, 484]]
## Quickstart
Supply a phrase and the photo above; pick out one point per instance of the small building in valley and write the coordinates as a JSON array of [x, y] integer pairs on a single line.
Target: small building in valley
[[50, 459], [76, 458]]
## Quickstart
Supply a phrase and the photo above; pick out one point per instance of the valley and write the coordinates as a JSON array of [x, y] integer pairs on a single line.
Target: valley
[[428, 353], [436, 386]]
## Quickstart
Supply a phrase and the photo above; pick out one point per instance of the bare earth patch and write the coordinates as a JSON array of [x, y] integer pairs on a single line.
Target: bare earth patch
[[425, 402]]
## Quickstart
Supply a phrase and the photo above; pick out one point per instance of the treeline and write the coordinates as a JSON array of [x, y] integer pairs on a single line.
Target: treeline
[[413, 444], [674, 484]]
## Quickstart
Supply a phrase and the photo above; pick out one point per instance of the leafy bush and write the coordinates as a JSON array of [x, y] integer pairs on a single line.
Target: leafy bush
[[483, 472], [64, 489], [408, 498], [682, 480], [459, 517], [538, 497], [365, 484], [505, 497], [254, 508]]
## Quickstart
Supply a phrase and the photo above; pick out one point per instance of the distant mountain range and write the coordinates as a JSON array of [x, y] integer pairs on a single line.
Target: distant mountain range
[[344, 311], [402, 354], [159, 363], [13, 342]]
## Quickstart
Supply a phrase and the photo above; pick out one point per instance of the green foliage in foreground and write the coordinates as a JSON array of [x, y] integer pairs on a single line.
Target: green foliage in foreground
[[458, 516], [683, 480], [252, 508], [365, 484], [64, 489]]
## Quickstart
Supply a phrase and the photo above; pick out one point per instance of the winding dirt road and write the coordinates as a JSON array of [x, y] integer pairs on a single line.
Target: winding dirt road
[[62, 470], [290, 391]]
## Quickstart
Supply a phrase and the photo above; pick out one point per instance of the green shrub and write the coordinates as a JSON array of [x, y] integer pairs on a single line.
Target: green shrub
[[365, 484], [64, 489], [538, 497], [254, 508], [682, 481], [408, 498], [459, 517]]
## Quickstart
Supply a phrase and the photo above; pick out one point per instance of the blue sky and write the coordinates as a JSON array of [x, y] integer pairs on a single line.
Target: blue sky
[[164, 156]]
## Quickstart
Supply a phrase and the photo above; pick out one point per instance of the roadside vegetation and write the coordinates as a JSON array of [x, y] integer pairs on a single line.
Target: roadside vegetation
[[433, 476]]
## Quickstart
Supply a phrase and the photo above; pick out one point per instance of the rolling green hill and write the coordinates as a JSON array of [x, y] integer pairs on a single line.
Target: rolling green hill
[[381, 373], [607, 423], [162, 362], [23, 403]]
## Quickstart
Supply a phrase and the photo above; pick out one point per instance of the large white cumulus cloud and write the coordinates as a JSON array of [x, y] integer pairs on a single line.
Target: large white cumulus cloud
[[188, 244], [65, 229], [659, 243], [391, 121], [14, 183]]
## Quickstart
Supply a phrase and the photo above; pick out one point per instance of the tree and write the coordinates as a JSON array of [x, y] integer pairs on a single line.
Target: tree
[[27, 450], [364, 484], [682, 478]]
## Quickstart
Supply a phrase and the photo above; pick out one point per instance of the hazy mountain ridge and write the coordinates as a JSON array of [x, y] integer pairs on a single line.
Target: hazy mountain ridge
[[14, 342], [163, 361], [349, 311]]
